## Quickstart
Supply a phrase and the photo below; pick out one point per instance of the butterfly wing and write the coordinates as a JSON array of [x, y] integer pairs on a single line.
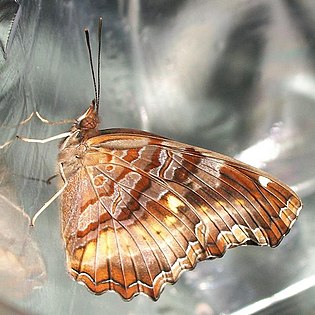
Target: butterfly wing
[[150, 208]]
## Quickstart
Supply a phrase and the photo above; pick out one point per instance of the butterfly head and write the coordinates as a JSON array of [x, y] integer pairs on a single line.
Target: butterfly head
[[89, 120], [85, 127]]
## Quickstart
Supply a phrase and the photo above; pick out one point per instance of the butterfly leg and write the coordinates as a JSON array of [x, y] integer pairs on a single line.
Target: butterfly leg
[[42, 119], [53, 198], [23, 122], [46, 181], [46, 121], [60, 136], [7, 143], [2, 146]]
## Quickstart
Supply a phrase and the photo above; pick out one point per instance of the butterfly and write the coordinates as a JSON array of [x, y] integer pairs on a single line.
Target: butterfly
[[138, 209]]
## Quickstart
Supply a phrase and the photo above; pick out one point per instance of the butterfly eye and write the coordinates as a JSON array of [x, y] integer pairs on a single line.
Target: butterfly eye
[[88, 123]]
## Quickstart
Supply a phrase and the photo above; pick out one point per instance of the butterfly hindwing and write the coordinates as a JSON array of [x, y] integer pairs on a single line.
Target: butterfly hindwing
[[152, 207]]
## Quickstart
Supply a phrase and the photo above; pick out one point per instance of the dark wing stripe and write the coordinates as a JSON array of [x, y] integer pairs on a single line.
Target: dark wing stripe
[[159, 182]]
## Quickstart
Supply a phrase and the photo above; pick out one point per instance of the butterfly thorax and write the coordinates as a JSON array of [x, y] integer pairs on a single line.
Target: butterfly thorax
[[73, 148]]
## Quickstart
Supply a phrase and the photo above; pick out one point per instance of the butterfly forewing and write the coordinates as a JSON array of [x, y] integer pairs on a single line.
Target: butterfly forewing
[[139, 209]]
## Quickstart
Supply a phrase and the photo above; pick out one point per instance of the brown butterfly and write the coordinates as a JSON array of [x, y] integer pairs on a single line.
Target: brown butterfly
[[138, 209]]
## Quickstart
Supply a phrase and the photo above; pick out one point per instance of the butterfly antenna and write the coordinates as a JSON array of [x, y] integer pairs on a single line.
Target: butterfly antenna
[[100, 26], [88, 44]]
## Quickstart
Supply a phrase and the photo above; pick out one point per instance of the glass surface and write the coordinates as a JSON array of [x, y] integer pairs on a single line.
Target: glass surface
[[232, 76]]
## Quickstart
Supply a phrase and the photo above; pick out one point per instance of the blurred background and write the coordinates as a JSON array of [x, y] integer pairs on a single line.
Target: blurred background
[[237, 77]]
